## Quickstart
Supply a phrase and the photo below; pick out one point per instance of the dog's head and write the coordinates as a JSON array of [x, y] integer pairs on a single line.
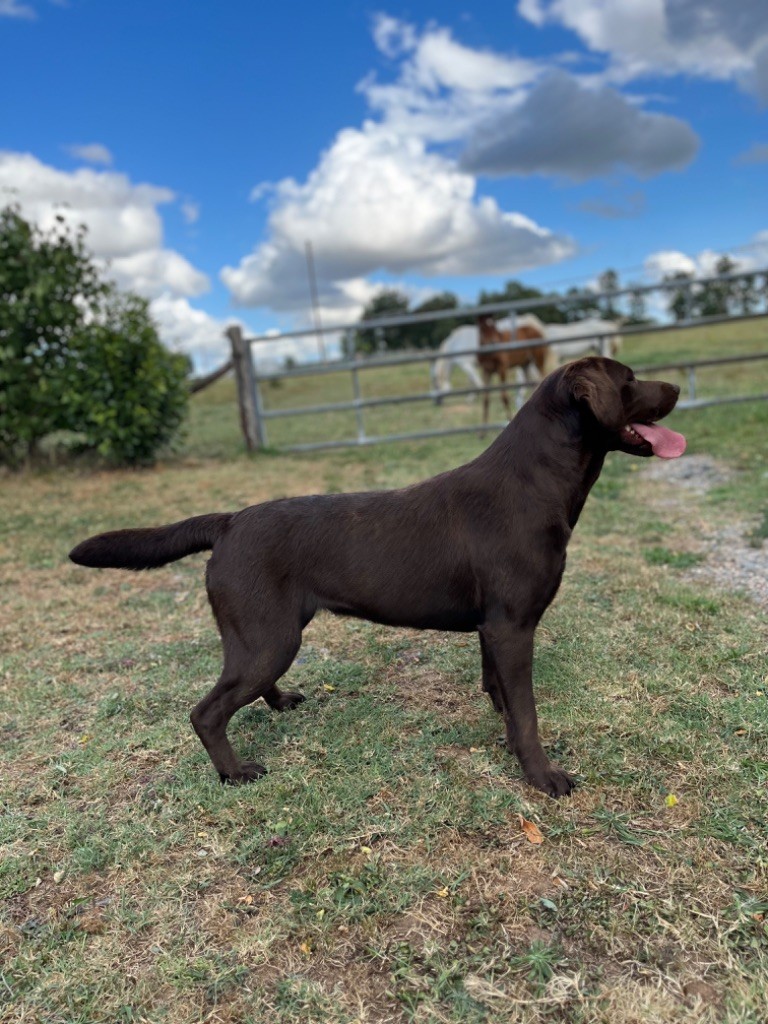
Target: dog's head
[[622, 409]]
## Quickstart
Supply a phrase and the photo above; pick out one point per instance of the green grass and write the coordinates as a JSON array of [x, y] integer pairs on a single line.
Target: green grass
[[380, 872], [675, 559]]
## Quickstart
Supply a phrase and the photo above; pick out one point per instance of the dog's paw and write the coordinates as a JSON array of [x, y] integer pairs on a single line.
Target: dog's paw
[[288, 701], [249, 771], [553, 781]]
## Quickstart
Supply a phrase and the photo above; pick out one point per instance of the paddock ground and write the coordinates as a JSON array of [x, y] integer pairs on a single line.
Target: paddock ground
[[382, 871]]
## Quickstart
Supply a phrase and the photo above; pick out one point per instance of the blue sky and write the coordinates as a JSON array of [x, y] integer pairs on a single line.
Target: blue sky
[[427, 146]]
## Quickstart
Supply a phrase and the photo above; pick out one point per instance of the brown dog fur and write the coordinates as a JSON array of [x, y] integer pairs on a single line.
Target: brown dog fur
[[478, 549]]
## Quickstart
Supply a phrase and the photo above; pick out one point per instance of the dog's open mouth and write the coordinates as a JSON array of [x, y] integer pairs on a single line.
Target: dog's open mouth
[[664, 442]]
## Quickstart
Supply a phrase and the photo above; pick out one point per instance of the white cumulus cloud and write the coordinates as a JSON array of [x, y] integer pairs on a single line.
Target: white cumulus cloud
[[442, 87], [752, 255], [91, 153], [185, 329], [154, 271], [13, 9], [393, 36], [391, 196], [666, 262], [381, 201], [715, 39], [123, 220], [190, 212]]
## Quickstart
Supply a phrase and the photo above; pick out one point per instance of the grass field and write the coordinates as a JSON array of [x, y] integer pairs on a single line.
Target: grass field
[[382, 870]]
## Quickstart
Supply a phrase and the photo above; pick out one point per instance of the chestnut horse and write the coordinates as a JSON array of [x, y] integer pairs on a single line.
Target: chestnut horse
[[492, 363]]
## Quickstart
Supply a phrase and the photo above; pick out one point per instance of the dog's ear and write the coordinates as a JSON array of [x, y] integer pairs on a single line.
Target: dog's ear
[[593, 386]]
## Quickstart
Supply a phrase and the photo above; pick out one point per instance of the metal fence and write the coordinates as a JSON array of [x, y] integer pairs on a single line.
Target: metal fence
[[255, 417]]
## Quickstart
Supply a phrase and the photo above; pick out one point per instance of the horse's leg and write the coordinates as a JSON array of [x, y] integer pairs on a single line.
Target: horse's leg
[[487, 377], [441, 378], [504, 395], [469, 366], [521, 377], [546, 360]]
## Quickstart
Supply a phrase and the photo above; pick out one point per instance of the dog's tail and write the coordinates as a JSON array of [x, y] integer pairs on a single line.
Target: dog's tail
[[151, 547]]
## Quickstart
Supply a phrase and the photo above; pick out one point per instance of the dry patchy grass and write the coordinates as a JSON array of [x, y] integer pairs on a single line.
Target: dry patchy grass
[[380, 873]]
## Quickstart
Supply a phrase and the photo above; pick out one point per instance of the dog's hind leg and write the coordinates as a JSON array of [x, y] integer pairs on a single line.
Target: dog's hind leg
[[251, 670]]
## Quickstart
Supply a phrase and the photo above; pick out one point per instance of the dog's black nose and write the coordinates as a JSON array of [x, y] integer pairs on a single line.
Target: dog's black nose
[[675, 388]]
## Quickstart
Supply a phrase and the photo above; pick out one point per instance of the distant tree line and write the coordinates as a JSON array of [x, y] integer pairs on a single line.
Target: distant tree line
[[739, 297], [718, 298], [558, 308]]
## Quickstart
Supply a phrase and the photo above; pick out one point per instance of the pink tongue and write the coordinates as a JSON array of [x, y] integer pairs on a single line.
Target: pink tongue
[[665, 442]]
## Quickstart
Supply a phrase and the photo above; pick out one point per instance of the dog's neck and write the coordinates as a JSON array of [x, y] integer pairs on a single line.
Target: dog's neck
[[550, 448]]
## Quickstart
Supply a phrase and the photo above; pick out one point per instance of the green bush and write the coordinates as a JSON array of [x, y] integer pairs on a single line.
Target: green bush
[[76, 355], [127, 394]]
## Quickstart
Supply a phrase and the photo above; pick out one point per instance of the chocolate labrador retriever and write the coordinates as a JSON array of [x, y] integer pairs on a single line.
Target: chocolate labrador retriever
[[478, 549]]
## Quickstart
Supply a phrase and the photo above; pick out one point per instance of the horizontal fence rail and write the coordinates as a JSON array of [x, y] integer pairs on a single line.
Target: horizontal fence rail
[[255, 417]]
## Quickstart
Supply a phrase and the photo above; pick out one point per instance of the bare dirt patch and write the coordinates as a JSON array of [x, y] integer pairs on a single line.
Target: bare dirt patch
[[730, 562], [423, 687]]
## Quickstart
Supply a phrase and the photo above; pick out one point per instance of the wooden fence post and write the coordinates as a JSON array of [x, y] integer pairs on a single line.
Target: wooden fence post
[[242, 360], [200, 383]]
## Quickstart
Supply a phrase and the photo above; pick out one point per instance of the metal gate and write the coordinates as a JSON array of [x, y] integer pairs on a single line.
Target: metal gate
[[256, 418]]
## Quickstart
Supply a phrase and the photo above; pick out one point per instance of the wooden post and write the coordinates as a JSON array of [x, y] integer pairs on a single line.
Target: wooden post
[[242, 360], [200, 383]]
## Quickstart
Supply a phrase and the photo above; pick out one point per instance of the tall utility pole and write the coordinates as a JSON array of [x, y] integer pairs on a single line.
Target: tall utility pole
[[314, 300]]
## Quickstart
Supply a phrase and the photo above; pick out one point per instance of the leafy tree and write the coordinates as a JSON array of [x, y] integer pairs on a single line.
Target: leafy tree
[[347, 344], [746, 296], [388, 302], [580, 305], [75, 355], [432, 333], [714, 299], [608, 282], [717, 298], [681, 299], [637, 308], [514, 291]]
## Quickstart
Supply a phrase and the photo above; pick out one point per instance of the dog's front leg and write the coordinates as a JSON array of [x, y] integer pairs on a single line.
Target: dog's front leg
[[507, 652], [490, 677]]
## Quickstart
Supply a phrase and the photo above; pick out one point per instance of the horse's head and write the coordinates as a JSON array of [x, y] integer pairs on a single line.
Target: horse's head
[[489, 332]]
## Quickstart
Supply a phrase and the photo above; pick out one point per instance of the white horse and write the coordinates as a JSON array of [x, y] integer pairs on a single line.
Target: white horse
[[461, 340], [593, 334]]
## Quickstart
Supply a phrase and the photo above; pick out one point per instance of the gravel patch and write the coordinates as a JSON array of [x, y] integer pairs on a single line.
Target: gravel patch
[[694, 473], [730, 562]]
